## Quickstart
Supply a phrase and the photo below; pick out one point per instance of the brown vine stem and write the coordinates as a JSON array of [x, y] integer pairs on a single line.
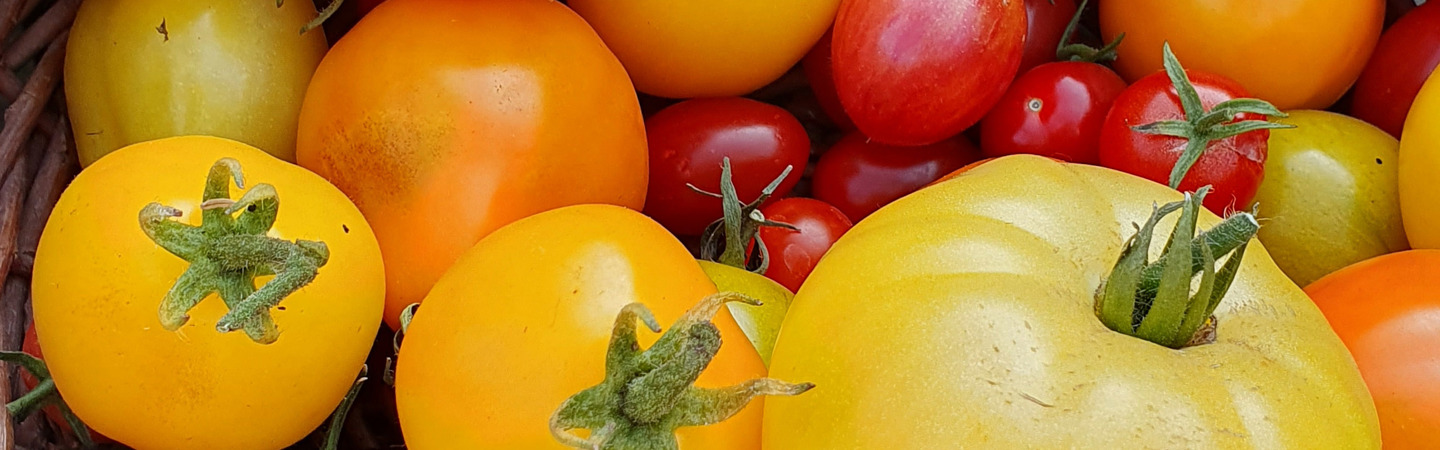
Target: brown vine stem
[[21, 116], [40, 33]]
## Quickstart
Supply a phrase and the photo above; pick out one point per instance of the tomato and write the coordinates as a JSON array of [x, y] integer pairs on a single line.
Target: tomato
[[858, 176], [1054, 110], [707, 49], [1293, 53], [794, 253], [905, 84], [1329, 198], [818, 70], [1385, 309], [964, 315], [1046, 20], [127, 375], [1408, 52], [31, 346], [445, 120], [524, 319], [688, 141], [234, 69], [1232, 163], [761, 323], [1419, 162]]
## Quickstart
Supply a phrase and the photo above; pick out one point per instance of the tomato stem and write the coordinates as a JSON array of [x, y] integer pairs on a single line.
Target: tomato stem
[[1068, 51], [44, 393], [1202, 127], [1154, 301], [227, 252], [727, 240], [337, 419], [320, 19], [647, 394]]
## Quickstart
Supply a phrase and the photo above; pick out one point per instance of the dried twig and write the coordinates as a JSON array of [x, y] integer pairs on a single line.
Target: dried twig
[[42, 32], [50, 181], [21, 116]]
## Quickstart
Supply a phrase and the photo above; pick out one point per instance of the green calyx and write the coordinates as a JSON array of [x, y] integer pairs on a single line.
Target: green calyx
[[726, 240], [1068, 51], [44, 394], [647, 394], [226, 252], [1201, 127], [1158, 301]]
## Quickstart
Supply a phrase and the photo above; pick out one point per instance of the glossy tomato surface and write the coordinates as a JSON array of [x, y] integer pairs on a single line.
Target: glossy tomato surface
[[818, 71], [447, 119], [690, 140], [904, 82], [794, 253], [1233, 166], [1053, 110], [858, 176], [1407, 54], [1046, 21]]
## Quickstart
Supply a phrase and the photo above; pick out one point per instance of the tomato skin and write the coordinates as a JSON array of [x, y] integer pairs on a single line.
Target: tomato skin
[[793, 254], [1384, 308], [903, 85], [31, 346], [977, 330], [436, 163], [858, 176], [132, 380], [1419, 162], [689, 141], [1046, 21], [707, 49], [1408, 52], [818, 70], [1073, 98], [1292, 53], [523, 320], [1233, 166], [126, 83]]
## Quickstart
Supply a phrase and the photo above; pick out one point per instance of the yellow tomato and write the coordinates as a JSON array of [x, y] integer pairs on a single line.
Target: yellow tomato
[[760, 323], [99, 282], [137, 70], [1419, 166], [964, 315], [523, 320], [683, 49], [1330, 196]]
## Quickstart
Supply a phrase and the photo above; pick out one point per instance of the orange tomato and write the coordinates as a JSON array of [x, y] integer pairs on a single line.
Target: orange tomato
[[1293, 53], [684, 49], [1387, 311], [447, 119], [523, 321]]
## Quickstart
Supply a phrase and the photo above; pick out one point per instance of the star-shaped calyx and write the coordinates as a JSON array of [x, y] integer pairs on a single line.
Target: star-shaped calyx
[[226, 252], [647, 394]]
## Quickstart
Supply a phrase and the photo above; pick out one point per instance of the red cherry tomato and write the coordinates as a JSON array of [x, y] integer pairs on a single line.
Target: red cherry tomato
[[793, 254], [1054, 110], [1047, 20], [917, 72], [688, 141], [817, 65], [859, 176], [1408, 52], [1233, 166]]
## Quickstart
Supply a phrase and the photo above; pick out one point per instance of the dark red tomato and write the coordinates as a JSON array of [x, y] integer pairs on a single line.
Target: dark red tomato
[[688, 140], [859, 176], [1054, 110], [1408, 52], [793, 254], [31, 345], [914, 72], [1233, 166], [1047, 20], [822, 81]]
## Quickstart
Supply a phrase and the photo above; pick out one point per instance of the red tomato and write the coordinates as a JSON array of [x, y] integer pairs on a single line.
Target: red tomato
[[822, 81], [1233, 166], [913, 72], [1054, 110], [1047, 20], [793, 254], [688, 140], [859, 176], [1408, 52]]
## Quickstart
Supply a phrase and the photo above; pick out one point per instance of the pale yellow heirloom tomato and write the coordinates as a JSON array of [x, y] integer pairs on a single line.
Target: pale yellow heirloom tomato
[[104, 304], [137, 70], [965, 315], [1330, 196], [1420, 167]]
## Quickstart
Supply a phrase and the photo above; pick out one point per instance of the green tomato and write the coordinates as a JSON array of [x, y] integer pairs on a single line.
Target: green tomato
[[760, 323], [1330, 196]]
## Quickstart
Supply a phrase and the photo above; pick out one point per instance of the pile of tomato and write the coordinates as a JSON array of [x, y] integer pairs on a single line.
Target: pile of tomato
[[741, 224]]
